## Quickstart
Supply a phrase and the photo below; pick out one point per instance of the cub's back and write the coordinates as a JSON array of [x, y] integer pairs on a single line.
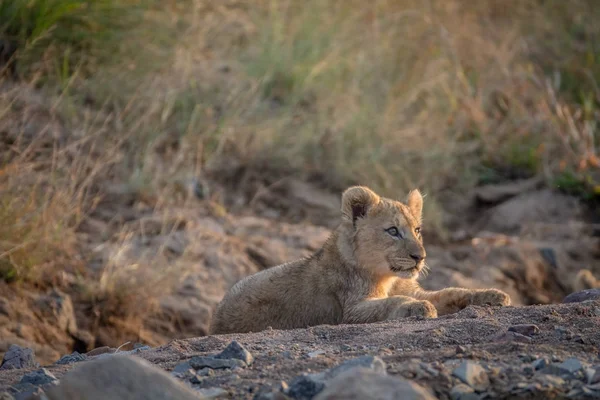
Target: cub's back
[[282, 297]]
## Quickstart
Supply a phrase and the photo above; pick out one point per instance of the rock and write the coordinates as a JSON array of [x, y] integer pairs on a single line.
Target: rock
[[38, 378], [461, 349], [525, 329], [315, 353], [236, 351], [592, 376], [463, 392], [305, 386], [372, 363], [119, 377], [183, 369], [472, 374], [6, 396], [543, 205], [57, 308], [569, 367], [511, 336], [31, 393], [563, 333], [18, 357], [199, 362], [272, 395], [211, 393], [584, 295], [493, 194], [360, 383], [71, 358]]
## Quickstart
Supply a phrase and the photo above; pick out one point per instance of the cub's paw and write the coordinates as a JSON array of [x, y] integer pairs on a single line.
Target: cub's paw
[[492, 297], [420, 308]]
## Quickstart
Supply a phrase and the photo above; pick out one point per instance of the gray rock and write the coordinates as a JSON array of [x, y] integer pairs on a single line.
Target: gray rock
[[511, 336], [38, 378], [540, 363], [305, 387], [592, 376], [473, 375], [183, 369], [571, 365], [361, 383], [463, 392], [373, 363], [71, 358], [18, 357], [215, 363], [315, 353], [236, 351], [6, 396], [57, 307], [525, 329], [568, 368], [270, 395], [583, 295], [32, 393], [120, 377], [211, 393]]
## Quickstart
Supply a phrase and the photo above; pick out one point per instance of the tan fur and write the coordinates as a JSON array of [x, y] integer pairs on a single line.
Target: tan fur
[[362, 274]]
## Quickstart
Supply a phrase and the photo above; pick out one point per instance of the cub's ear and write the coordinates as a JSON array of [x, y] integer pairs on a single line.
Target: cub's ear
[[414, 200], [356, 202]]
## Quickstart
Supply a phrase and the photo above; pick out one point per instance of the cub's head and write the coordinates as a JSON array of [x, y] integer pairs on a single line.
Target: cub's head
[[385, 234]]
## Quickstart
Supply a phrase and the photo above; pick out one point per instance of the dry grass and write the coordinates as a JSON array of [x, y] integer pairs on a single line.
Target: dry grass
[[440, 95]]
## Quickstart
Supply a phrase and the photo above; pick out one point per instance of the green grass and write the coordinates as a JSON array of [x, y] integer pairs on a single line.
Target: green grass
[[59, 36]]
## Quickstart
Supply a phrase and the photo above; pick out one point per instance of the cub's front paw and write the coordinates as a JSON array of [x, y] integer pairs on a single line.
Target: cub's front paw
[[420, 308], [492, 297]]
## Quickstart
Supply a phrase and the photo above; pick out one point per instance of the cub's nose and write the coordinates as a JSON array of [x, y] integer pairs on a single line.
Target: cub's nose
[[417, 257]]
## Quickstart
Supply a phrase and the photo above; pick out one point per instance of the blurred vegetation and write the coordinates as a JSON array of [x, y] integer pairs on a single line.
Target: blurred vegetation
[[440, 95]]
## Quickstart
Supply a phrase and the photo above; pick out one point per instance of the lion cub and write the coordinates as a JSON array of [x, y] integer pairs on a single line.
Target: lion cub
[[365, 272]]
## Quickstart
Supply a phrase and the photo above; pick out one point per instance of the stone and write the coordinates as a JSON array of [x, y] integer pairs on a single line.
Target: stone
[[236, 351], [592, 376], [120, 377], [525, 329], [31, 393], [511, 336], [6, 396], [211, 393], [305, 387], [463, 392], [473, 375], [361, 383], [373, 363], [18, 358], [38, 378], [569, 367], [57, 308], [316, 353], [272, 395], [71, 358], [199, 362], [572, 365], [540, 363], [583, 295]]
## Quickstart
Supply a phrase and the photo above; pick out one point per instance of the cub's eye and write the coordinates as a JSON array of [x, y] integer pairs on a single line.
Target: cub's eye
[[418, 230], [393, 231]]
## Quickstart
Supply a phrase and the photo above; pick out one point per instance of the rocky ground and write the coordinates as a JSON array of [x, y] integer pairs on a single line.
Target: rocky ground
[[535, 352], [536, 244]]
